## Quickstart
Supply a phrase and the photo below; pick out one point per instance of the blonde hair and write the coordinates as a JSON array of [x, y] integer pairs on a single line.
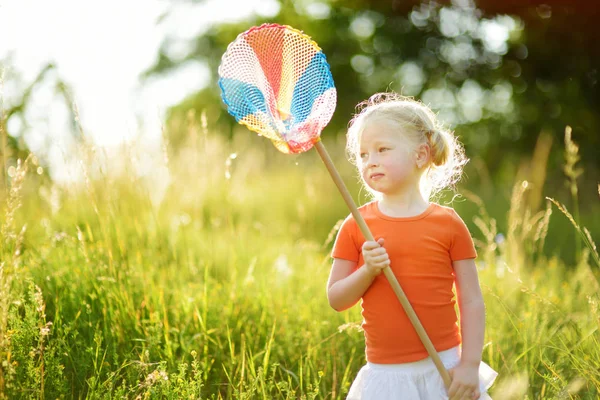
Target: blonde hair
[[418, 125]]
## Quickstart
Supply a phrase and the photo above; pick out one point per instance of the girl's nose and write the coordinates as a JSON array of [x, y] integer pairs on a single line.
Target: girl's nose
[[372, 160]]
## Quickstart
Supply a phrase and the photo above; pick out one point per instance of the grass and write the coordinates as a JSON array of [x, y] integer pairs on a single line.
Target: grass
[[205, 278]]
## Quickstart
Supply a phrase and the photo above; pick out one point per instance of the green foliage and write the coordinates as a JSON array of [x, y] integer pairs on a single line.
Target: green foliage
[[209, 282], [34, 361], [500, 73]]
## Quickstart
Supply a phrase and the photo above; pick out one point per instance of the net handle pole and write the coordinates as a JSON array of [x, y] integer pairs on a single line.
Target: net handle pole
[[408, 309]]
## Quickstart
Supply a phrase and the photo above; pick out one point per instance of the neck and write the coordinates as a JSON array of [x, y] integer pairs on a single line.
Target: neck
[[406, 203]]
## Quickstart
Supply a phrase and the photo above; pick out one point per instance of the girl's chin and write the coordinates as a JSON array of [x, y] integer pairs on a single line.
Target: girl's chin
[[386, 190], [379, 184], [381, 189]]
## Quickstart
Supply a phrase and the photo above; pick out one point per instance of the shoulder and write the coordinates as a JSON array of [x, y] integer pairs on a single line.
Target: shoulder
[[445, 211], [366, 210], [448, 214], [349, 226]]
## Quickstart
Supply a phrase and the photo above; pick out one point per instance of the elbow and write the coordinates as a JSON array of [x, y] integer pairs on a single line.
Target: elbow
[[334, 302], [337, 307], [340, 306]]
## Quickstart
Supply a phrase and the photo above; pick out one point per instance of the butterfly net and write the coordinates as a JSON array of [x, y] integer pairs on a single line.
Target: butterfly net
[[275, 80]]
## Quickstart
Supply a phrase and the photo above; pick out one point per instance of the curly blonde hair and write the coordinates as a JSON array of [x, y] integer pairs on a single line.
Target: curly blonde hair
[[418, 125]]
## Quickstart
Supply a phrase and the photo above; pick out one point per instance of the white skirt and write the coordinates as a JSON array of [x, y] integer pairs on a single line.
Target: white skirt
[[419, 380]]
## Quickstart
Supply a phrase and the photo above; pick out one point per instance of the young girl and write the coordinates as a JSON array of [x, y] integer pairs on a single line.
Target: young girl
[[404, 157]]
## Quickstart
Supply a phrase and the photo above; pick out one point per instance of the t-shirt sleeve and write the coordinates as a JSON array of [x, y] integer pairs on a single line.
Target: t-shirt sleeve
[[345, 246], [462, 246]]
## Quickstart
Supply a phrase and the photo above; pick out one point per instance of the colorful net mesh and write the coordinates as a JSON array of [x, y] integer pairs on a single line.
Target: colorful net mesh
[[275, 80]]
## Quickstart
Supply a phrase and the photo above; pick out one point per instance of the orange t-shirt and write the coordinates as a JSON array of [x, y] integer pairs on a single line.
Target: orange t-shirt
[[421, 251]]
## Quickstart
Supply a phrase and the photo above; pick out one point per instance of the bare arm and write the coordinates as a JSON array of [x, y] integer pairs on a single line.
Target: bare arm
[[465, 377], [346, 287], [346, 284], [472, 310]]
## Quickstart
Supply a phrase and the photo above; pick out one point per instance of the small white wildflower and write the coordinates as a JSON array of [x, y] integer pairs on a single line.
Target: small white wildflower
[[282, 267], [163, 375], [45, 330], [39, 300], [231, 157]]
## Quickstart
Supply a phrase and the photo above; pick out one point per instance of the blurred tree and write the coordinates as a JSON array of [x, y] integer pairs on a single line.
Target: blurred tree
[[12, 143], [553, 67], [499, 72], [13, 147]]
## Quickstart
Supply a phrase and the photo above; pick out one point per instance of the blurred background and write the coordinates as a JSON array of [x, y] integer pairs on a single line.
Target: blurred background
[[153, 248], [508, 77]]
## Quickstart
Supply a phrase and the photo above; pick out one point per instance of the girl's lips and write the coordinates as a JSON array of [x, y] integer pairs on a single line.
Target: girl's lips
[[376, 176]]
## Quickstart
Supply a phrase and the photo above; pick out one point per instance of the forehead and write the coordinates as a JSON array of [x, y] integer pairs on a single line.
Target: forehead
[[379, 131]]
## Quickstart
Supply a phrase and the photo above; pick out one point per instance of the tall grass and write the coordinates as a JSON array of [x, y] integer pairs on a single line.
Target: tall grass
[[204, 277]]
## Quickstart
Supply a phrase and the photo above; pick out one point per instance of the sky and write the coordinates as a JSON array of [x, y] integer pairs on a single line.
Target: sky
[[100, 49]]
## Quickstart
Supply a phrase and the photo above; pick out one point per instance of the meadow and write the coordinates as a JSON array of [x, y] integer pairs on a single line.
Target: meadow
[[204, 277]]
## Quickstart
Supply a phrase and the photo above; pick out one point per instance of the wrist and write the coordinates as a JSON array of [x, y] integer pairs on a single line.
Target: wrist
[[469, 362], [370, 273]]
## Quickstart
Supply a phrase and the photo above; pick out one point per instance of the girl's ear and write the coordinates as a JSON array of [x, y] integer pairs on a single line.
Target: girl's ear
[[422, 155]]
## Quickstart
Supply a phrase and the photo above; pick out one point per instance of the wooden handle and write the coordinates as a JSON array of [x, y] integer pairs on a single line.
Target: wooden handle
[[408, 309]]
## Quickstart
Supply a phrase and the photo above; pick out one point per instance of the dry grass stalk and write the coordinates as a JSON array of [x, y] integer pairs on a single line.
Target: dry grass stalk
[[584, 234], [538, 169], [11, 254], [573, 172]]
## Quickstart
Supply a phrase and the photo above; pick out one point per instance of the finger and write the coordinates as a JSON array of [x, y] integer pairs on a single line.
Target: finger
[[461, 393], [370, 245], [380, 267], [380, 241], [452, 390], [373, 252], [381, 259], [377, 260], [456, 391], [378, 252], [476, 395]]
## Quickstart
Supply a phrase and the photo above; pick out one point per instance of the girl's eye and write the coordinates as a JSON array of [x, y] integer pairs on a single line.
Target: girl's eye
[[363, 155], [382, 149]]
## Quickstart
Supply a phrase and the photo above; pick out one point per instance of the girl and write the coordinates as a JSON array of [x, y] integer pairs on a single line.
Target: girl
[[404, 157]]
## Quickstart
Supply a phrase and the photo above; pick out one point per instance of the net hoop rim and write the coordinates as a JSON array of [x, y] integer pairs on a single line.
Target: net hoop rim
[[242, 35], [302, 36]]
